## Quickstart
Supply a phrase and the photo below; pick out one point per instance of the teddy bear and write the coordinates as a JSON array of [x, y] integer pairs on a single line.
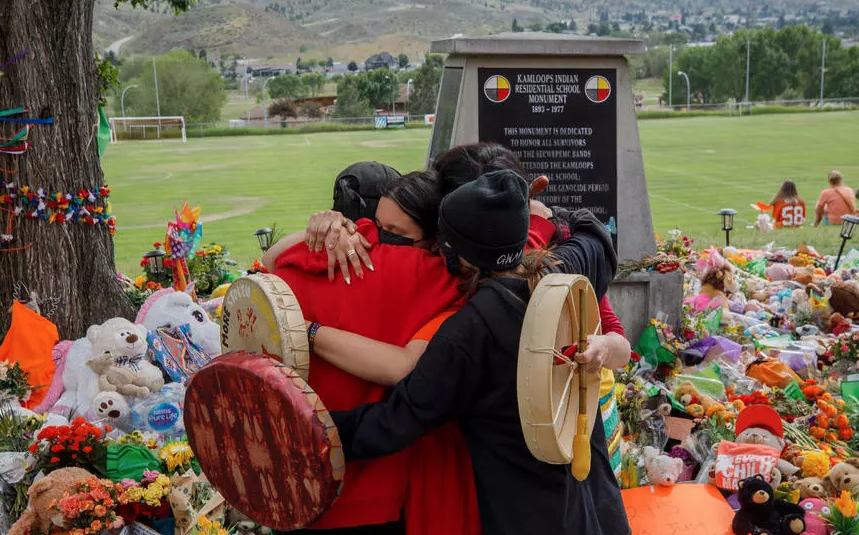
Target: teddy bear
[[661, 469], [838, 324], [814, 524], [843, 476], [844, 298], [38, 516], [170, 308], [804, 275], [810, 487], [123, 342], [780, 272], [760, 424], [760, 512]]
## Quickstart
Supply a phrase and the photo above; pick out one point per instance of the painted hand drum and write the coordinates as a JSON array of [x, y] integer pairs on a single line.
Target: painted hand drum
[[261, 314], [264, 440], [548, 381]]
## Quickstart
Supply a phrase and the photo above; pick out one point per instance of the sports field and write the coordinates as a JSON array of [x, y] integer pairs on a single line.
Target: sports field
[[694, 168]]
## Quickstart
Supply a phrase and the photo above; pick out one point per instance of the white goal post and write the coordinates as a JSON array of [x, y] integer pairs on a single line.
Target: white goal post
[[132, 124]]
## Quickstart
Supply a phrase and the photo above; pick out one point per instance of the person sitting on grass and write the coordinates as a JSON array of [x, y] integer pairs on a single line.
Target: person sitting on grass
[[788, 207], [835, 201]]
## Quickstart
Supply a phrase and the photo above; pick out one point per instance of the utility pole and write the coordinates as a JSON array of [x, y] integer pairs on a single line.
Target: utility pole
[[822, 69], [265, 103], [670, 77], [748, 65]]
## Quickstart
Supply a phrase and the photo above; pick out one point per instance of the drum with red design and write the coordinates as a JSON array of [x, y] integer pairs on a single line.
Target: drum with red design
[[264, 439]]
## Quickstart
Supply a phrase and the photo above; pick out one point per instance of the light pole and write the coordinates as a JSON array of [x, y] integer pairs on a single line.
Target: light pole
[[122, 104], [748, 64], [670, 77], [157, 101], [408, 88], [265, 103], [822, 71], [688, 91], [247, 99]]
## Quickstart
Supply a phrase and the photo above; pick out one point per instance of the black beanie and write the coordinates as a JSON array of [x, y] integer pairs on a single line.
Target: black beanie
[[358, 187], [486, 221]]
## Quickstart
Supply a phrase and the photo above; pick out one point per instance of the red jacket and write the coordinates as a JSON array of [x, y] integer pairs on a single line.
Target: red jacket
[[408, 288]]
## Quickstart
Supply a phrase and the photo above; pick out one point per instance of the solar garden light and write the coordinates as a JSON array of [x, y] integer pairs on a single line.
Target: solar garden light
[[264, 236], [727, 215], [155, 261], [848, 224]]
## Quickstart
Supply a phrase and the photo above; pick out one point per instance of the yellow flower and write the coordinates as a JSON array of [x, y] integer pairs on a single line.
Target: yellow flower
[[217, 248], [815, 464], [163, 480], [846, 505], [153, 494], [139, 282], [135, 494], [204, 524], [176, 455]]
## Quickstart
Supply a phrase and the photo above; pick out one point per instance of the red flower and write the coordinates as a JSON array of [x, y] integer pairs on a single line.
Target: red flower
[[34, 447], [157, 244], [143, 263], [107, 429], [55, 459], [635, 357], [56, 448], [87, 449]]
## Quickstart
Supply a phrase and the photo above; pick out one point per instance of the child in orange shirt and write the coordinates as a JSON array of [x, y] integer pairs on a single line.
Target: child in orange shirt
[[788, 206]]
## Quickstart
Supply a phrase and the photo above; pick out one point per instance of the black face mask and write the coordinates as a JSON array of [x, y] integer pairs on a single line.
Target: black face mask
[[451, 259], [389, 238]]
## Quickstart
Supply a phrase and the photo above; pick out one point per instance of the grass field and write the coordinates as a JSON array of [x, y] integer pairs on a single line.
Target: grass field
[[694, 167]]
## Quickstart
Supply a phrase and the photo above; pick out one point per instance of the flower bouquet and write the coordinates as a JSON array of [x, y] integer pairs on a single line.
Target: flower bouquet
[[14, 383], [90, 508], [80, 444], [147, 500], [177, 457], [842, 515]]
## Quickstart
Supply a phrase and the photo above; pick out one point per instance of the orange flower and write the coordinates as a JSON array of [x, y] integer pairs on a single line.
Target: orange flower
[[96, 525], [817, 432], [846, 505], [846, 433], [832, 436], [823, 421], [842, 421], [100, 510]]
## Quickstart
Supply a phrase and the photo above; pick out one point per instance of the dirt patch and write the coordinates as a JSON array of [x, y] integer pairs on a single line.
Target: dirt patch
[[244, 206]]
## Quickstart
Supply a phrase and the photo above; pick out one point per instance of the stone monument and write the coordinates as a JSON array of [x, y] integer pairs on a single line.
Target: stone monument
[[564, 105]]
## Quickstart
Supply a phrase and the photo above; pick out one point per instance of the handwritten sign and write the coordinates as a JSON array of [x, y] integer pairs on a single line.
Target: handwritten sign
[[679, 510]]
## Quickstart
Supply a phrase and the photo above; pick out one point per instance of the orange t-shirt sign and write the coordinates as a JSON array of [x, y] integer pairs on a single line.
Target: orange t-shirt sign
[[739, 461]]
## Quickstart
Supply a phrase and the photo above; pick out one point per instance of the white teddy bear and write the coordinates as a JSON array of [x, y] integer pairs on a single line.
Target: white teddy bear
[[661, 469], [169, 308], [125, 343]]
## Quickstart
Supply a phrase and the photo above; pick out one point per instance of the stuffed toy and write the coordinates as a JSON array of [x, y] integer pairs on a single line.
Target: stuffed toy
[[717, 282], [780, 272], [244, 525], [804, 275], [843, 476], [39, 516], [845, 298], [810, 487], [760, 424], [123, 342], [761, 513], [814, 524], [661, 469], [169, 308], [838, 324]]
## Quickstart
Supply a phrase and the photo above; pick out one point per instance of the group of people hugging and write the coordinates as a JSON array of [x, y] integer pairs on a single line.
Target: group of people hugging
[[414, 290]]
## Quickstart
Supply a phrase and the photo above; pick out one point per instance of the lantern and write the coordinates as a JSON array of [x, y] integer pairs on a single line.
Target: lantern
[[155, 261], [264, 236], [848, 225], [727, 215]]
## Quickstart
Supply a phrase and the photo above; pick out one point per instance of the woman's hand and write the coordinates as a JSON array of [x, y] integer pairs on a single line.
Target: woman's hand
[[536, 207], [349, 249], [324, 229], [610, 351]]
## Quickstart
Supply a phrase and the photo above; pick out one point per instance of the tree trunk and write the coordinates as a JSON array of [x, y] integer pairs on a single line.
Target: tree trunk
[[72, 263]]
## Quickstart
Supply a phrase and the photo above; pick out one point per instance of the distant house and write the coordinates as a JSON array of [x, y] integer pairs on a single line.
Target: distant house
[[266, 71], [378, 61]]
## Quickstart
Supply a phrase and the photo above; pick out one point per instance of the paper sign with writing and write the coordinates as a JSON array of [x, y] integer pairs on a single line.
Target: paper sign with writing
[[739, 461], [679, 510]]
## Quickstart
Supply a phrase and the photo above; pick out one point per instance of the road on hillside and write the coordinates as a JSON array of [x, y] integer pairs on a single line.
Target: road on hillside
[[116, 45]]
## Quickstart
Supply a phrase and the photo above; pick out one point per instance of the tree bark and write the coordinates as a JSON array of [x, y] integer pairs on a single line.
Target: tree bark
[[72, 263]]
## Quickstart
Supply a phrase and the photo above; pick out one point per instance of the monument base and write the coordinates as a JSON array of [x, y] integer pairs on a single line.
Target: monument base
[[639, 297]]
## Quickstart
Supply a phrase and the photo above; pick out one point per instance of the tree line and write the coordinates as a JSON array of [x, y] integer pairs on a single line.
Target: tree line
[[783, 65]]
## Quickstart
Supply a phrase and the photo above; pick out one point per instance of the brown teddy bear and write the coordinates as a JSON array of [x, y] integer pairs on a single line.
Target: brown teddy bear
[[845, 298], [43, 492], [810, 487], [843, 476]]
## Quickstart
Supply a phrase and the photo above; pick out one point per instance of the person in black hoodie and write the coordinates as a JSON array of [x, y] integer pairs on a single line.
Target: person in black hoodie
[[468, 371]]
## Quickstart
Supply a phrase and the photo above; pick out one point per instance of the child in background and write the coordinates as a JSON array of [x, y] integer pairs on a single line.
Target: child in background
[[788, 206]]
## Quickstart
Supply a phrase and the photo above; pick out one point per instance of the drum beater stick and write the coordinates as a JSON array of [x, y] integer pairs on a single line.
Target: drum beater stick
[[581, 464]]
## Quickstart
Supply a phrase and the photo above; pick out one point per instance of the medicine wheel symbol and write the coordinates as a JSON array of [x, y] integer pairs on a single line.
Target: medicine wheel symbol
[[597, 89], [496, 88]]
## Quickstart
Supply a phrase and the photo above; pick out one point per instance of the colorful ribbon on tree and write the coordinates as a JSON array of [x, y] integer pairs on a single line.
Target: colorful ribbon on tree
[[90, 207], [14, 59]]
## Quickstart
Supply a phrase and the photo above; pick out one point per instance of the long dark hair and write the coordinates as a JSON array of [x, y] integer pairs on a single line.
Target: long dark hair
[[532, 269], [787, 192], [417, 195], [462, 164]]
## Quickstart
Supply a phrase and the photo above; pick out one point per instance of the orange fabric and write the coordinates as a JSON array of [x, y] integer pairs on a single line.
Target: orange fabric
[[30, 342], [428, 331], [772, 372], [789, 214], [442, 497]]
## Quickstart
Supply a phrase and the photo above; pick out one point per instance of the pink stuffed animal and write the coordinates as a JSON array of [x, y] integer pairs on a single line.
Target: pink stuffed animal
[[814, 525]]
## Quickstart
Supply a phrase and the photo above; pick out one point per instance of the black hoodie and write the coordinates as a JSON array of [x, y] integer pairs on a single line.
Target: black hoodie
[[468, 373]]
